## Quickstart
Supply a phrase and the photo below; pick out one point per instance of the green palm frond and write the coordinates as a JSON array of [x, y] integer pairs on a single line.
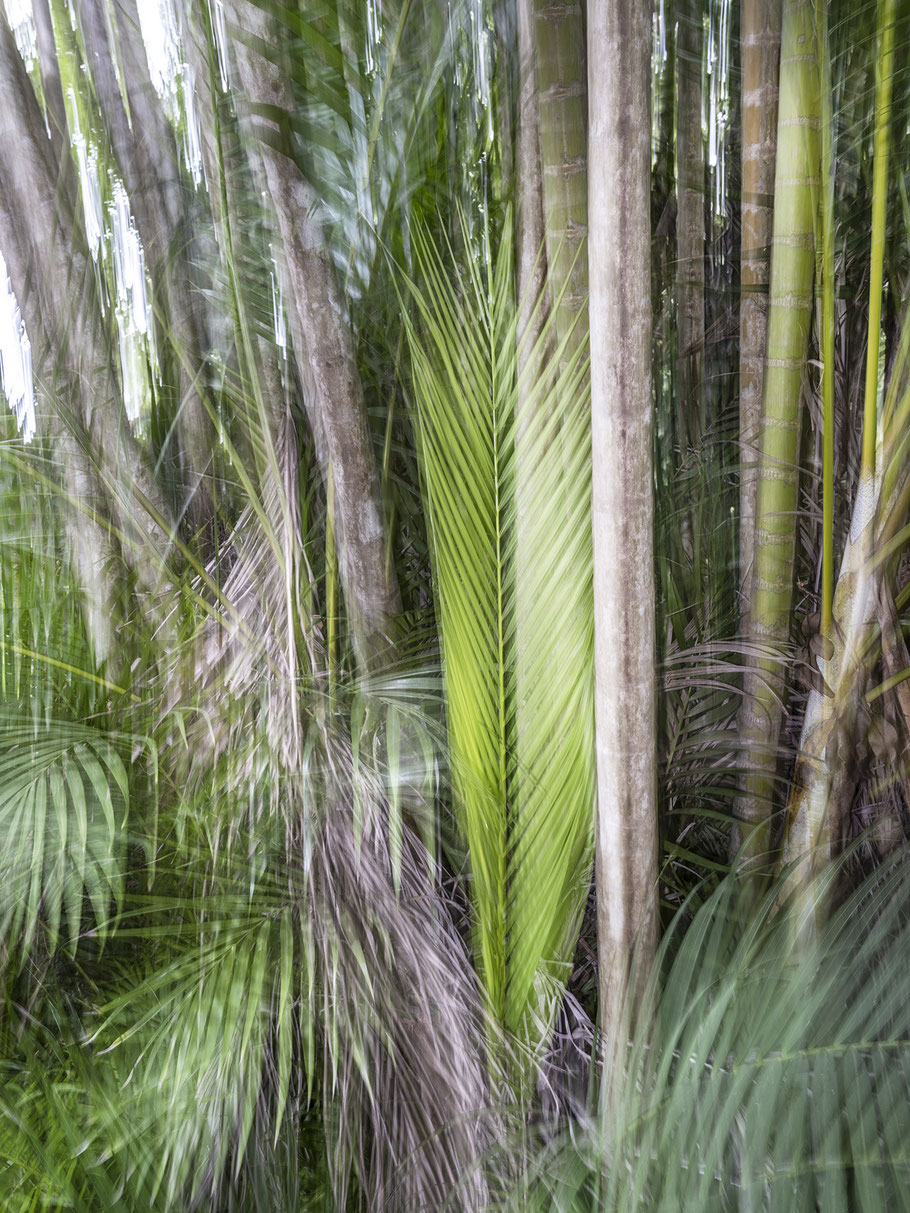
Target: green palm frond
[[203, 1046], [765, 1078], [64, 800], [506, 468]]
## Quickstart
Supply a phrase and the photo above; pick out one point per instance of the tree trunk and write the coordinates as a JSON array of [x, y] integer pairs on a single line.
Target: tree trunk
[[326, 358], [690, 223], [531, 260], [760, 41], [145, 150], [825, 778], [789, 320], [619, 55], [55, 287]]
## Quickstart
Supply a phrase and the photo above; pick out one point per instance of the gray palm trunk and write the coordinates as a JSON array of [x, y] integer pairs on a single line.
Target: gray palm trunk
[[145, 151], [55, 287], [333, 394], [619, 160]]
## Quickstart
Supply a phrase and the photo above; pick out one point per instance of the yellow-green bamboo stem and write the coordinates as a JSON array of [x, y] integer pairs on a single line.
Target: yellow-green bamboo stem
[[823, 783], [789, 317], [884, 71], [562, 98], [827, 323]]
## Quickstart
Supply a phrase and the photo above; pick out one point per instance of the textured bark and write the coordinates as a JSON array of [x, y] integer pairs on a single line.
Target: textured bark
[[760, 42], [789, 320], [690, 222], [619, 252], [332, 390], [54, 286], [146, 154]]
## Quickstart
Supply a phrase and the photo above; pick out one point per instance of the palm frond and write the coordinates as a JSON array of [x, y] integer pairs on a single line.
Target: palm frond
[[763, 1077], [64, 801], [506, 467]]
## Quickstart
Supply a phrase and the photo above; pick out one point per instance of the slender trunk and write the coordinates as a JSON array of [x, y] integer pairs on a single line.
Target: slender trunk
[[690, 223], [559, 47], [55, 289], [789, 319], [825, 781], [145, 150], [760, 42], [531, 260], [624, 639], [325, 352]]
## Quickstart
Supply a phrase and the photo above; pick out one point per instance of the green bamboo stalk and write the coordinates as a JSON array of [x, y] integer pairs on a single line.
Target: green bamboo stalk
[[823, 784], [827, 323], [789, 319], [884, 72], [562, 101]]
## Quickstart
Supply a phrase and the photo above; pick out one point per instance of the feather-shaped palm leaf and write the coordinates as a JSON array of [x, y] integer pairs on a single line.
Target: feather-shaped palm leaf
[[504, 446]]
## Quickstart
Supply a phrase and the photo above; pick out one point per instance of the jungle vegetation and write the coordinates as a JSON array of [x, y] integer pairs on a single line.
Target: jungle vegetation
[[454, 590]]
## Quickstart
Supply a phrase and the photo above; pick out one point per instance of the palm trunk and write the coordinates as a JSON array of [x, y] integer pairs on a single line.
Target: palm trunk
[[619, 251], [690, 223], [332, 388], [146, 154], [789, 319], [760, 41], [55, 289], [531, 260]]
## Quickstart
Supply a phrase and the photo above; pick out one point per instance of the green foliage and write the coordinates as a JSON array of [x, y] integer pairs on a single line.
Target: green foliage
[[764, 1076], [506, 464], [64, 800]]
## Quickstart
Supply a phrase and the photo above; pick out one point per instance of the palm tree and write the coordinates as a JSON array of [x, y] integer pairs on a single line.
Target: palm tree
[[760, 42], [315, 658], [622, 510]]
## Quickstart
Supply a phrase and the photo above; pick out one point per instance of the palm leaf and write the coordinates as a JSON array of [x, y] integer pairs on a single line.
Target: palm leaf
[[64, 798], [506, 469], [764, 1078]]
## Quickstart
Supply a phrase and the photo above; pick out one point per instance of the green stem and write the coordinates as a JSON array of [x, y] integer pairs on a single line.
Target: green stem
[[789, 318], [884, 72], [828, 322]]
